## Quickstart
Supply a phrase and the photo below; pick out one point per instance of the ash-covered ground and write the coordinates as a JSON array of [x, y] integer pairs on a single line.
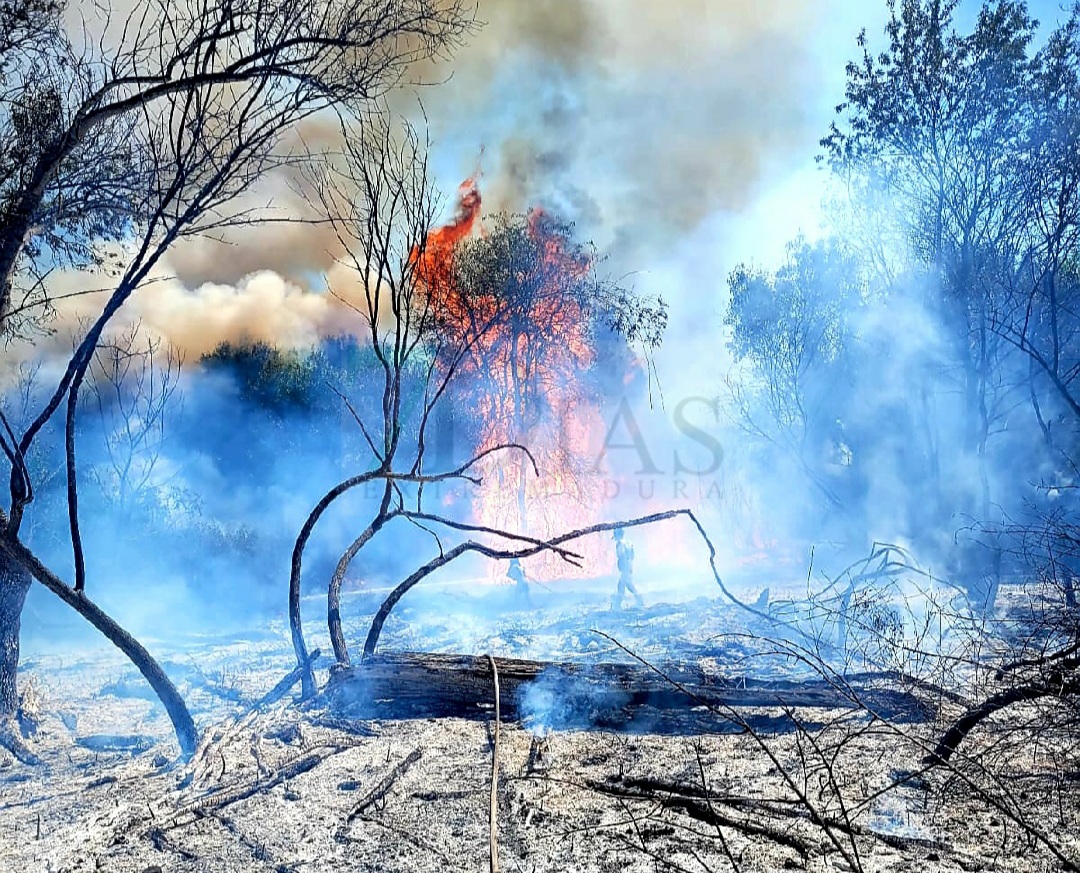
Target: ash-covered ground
[[293, 789]]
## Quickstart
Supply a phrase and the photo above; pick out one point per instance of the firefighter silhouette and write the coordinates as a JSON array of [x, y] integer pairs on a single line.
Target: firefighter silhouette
[[624, 557], [516, 574]]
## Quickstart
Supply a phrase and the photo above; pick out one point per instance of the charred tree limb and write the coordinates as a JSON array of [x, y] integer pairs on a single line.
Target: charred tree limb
[[226, 797], [282, 688], [333, 593], [184, 726], [726, 710], [964, 725], [553, 545], [931, 689], [697, 808], [1062, 655], [303, 659], [701, 805], [383, 786], [73, 486], [21, 483], [383, 472], [15, 582], [605, 694], [337, 637], [570, 557]]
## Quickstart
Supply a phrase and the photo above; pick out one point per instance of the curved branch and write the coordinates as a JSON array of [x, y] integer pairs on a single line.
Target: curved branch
[[418, 576], [183, 724], [964, 725], [459, 473], [333, 594], [570, 557], [73, 488], [551, 545], [303, 660], [1042, 661]]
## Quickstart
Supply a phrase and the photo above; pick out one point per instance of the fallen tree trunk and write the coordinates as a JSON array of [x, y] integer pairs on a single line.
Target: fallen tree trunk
[[578, 695]]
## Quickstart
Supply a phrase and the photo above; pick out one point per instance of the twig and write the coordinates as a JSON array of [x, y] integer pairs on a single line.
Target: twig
[[712, 811], [380, 790], [727, 712], [290, 770], [493, 812]]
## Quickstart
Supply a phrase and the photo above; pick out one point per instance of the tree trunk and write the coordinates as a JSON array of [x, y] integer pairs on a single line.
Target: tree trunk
[[14, 584], [15, 556]]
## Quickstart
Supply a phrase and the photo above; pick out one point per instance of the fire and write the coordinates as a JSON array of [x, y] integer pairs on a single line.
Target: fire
[[526, 336], [434, 263]]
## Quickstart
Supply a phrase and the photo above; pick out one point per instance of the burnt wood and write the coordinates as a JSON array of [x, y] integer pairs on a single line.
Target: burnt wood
[[580, 695]]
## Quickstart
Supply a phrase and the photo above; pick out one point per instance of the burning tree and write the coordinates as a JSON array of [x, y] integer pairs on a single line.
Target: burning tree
[[427, 332], [115, 145], [530, 377]]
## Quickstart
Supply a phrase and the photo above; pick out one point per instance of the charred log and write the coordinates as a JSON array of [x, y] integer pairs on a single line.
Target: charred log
[[609, 695]]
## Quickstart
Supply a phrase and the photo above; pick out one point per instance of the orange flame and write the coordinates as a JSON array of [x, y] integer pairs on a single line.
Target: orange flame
[[528, 363]]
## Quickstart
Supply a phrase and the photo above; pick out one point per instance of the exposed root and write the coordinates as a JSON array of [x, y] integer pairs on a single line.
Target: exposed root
[[11, 740]]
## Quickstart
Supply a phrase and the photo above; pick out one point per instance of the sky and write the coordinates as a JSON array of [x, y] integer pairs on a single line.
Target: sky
[[681, 142]]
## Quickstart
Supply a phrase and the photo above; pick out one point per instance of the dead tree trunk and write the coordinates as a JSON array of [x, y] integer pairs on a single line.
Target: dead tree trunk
[[14, 584], [613, 695]]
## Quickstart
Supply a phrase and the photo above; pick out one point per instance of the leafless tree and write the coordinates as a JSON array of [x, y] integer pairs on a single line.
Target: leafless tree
[[132, 135], [133, 386]]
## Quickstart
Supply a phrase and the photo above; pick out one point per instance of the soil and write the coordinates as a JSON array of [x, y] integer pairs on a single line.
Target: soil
[[291, 789]]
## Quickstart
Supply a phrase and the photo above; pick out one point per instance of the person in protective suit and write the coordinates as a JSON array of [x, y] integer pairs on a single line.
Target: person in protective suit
[[516, 574], [624, 557]]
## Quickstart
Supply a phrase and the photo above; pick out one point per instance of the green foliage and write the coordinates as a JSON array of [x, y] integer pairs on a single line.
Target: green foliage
[[799, 315], [291, 380], [268, 376], [539, 274], [794, 328]]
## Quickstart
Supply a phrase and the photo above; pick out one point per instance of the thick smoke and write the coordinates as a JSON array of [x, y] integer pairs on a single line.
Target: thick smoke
[[636, 119], [657, 129]]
